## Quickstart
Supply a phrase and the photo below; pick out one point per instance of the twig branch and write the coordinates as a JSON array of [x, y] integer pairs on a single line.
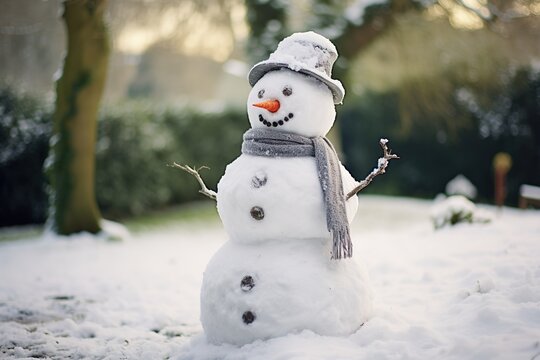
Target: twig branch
[[380, 169], [195, 172]]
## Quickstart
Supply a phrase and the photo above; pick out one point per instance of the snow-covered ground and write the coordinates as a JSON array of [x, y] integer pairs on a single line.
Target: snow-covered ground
[[466, 292]]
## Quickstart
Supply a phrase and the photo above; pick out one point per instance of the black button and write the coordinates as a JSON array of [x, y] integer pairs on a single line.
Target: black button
[[248, 317], [247, 283], [257, 213], [259, 180]]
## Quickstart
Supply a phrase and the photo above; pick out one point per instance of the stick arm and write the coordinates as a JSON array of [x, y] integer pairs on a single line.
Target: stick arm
[[380, 169], [195, 172]]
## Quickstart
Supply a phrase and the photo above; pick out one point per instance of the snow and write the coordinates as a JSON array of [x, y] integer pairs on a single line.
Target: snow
[[471, 291], [460, 185], [292, 50], [381, 162], [457, 209], [530, 191]]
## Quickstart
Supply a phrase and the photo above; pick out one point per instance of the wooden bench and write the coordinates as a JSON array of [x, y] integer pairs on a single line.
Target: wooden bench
[[529, 195]]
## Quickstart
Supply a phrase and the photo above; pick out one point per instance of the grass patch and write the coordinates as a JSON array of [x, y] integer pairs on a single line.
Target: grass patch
[[200, 212], [195, 213], [20, 232]]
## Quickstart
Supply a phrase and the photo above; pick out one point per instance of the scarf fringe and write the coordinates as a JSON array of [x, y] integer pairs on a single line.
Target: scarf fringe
[[342, 246]]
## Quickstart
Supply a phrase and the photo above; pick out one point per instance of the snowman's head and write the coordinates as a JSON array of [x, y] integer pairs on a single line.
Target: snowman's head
[[286, 100]]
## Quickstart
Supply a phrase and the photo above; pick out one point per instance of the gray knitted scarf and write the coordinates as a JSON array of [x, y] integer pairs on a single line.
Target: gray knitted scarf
[[271, 143]]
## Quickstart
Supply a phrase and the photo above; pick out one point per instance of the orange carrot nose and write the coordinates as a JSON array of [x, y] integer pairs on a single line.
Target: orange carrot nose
[[270, 105]]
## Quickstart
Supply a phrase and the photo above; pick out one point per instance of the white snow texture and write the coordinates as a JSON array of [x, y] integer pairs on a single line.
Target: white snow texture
[[460, 185], [468, 292], [457, 209]]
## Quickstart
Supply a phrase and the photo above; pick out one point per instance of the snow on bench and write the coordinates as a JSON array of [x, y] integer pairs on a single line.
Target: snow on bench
[[529, 194]]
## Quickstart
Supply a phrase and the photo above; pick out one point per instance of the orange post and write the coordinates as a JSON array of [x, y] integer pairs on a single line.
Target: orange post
[[502, 162]]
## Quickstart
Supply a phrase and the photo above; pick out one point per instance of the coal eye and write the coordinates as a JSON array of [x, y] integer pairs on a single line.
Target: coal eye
[[287, 91], [260, 94]]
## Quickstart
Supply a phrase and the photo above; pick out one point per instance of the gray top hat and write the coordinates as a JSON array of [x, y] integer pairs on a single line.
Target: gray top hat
[[307, 53]]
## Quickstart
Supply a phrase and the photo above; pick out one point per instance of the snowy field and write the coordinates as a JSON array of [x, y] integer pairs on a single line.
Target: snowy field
[[467, 292]]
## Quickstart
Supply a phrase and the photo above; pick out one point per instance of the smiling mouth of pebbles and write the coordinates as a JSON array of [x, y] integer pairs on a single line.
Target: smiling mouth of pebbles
[[276, 123]]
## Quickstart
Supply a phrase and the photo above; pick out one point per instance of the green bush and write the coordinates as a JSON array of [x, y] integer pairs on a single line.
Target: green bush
[[431, 156], [25, 127], [137, 142]]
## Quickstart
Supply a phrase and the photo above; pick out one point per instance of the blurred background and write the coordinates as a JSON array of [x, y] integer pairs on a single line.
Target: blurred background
[[451, 83]]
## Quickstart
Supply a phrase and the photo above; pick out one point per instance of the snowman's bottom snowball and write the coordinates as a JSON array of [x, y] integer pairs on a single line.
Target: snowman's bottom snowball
[[275, 288]]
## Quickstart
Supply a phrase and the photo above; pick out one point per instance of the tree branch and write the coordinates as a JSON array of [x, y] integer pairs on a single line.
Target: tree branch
[[195, 172], [380, 169], [377, 19], [477, 11], [494, 12]]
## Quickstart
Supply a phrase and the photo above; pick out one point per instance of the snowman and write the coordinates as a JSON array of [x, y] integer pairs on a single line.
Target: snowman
[[287, 266]]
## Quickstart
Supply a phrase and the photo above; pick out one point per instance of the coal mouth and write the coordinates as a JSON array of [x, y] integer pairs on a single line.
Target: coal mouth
[[277, 123]]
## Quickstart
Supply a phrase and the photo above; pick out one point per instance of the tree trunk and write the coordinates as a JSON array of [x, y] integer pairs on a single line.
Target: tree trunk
[[79, 91]]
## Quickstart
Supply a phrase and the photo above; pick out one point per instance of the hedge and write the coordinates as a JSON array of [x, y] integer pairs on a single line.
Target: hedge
[[25, 127], [430, 157], [136, 143]]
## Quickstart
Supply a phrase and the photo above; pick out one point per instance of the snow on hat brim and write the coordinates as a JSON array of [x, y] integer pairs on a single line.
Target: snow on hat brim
[[260, 69]]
